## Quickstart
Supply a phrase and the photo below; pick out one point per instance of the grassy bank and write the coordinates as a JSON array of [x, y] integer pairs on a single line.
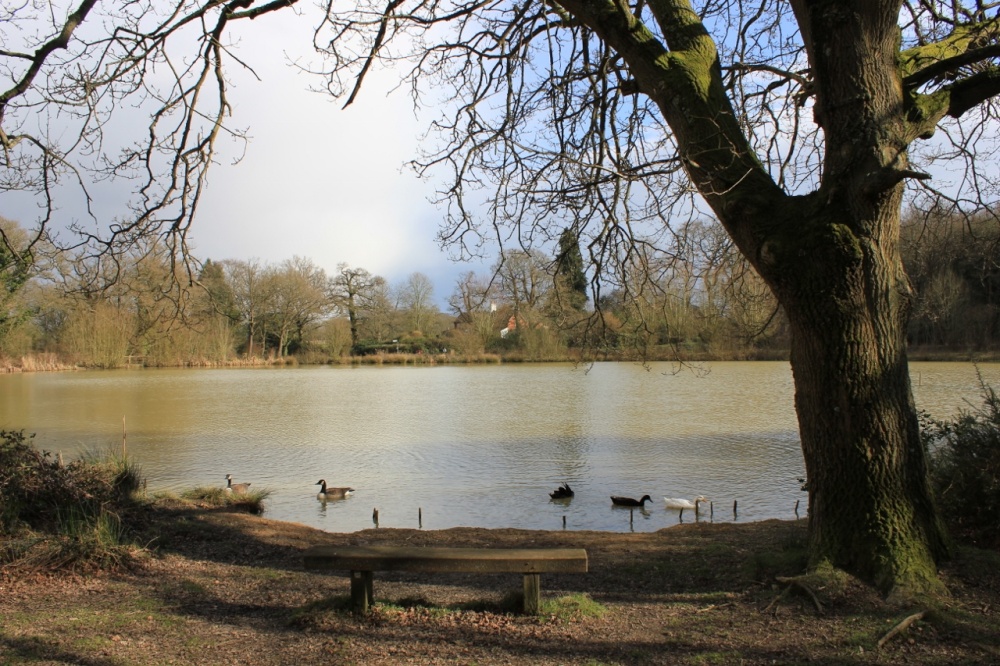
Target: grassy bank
[[210, 586]]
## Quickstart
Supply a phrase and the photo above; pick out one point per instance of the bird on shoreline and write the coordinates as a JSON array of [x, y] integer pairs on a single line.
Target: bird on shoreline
[[235, 487], [562, 492], [331, 493], [682, 503], [628, 501]]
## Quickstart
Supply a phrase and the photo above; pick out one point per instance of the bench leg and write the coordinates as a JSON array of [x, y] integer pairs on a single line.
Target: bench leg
[[532, 593], [362, 590]]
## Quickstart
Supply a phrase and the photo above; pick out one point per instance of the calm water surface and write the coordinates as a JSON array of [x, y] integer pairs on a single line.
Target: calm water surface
[[463, 445]]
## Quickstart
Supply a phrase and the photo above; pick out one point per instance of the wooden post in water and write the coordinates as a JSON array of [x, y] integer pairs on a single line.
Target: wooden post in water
[[680, 515], [711, 510], [734, 510], [796, 508], [564, 522], [420, 517], [375, 516]]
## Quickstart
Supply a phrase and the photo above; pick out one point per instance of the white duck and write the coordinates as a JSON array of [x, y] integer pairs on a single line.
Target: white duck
[[682, 503]]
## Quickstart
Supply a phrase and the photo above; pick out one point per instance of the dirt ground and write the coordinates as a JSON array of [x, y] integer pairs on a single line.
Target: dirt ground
[[214, 587]]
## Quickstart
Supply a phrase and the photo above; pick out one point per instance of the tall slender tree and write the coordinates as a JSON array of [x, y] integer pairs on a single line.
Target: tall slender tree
[[16, 268], [570, 270]]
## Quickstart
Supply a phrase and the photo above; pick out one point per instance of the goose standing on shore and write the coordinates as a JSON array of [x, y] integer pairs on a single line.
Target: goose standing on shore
[[235, 487], [331, 493]]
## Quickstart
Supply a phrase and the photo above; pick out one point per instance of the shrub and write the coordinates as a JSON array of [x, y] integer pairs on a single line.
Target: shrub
[[63, 514], [24, 475], [964, 456]]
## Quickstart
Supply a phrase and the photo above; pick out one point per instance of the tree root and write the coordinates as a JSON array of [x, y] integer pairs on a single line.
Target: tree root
[[797, 583], [777, 598], [900, 627]]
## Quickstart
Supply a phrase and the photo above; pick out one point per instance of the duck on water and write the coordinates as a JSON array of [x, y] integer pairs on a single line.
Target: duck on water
[[629, 501], [332, 493], [562, 492]]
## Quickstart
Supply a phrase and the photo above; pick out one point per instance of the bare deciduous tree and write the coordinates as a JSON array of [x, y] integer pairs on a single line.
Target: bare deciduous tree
[[67, 69], [356, 292], [415, 300], [801, 125], [252, 293]]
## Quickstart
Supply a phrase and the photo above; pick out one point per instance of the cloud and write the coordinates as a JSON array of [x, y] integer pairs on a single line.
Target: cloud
[[320, 181]]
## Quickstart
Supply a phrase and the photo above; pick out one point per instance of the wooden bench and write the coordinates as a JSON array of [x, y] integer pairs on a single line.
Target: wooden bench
[[362, 561]]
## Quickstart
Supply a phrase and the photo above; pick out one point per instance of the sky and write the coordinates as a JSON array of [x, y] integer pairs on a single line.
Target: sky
[[324, 182], [316, 181]]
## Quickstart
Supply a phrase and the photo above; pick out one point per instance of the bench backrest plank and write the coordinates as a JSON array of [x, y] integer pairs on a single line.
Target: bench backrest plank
[[459, 560]]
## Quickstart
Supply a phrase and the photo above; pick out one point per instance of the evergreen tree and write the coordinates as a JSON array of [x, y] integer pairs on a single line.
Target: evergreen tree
[[569, 269]]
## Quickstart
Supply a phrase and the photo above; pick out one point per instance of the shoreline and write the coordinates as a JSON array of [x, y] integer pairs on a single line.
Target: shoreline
[[223, 588], [50, 363]]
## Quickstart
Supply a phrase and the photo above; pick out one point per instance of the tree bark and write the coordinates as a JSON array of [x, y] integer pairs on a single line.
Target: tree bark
[[870, 505]]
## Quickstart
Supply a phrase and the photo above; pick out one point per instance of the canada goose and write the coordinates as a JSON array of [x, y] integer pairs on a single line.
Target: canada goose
[[562, 492], [628, 501], [681, 503], [235, 487], [332, 493]]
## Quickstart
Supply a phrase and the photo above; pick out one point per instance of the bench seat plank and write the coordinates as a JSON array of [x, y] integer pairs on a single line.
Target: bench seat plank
[[459, 560], [362, 561]]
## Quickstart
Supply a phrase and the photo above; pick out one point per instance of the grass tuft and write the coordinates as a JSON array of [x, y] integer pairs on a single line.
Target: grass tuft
[[252, 501], [572, 608]]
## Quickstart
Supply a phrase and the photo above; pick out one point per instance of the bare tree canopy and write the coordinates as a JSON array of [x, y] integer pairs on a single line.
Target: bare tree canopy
[[69, 72], [801, 126]]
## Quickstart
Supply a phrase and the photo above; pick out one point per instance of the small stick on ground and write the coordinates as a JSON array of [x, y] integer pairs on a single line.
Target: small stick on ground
[[805, 588], [901, 627], [777, 598]]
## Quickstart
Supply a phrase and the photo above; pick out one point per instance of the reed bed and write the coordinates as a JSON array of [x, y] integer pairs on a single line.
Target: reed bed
[[418, 359], [34, 363]]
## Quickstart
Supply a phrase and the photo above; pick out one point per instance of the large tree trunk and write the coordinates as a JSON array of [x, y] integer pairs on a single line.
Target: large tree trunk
[[847, 299], [831, 258]]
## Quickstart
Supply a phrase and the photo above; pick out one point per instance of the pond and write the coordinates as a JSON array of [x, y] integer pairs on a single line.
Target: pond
[[446, 446]]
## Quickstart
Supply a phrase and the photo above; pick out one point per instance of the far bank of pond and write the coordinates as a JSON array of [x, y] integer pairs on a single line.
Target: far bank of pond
[[49, 362]]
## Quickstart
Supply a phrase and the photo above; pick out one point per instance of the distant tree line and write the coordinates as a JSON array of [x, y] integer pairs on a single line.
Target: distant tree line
[[706, 301], [954, 265]]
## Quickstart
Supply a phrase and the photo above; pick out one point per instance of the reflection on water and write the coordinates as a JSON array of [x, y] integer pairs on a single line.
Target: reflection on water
[[439, 447]]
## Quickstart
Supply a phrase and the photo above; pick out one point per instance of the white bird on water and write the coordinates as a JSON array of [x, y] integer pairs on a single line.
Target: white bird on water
[[681, 503]]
